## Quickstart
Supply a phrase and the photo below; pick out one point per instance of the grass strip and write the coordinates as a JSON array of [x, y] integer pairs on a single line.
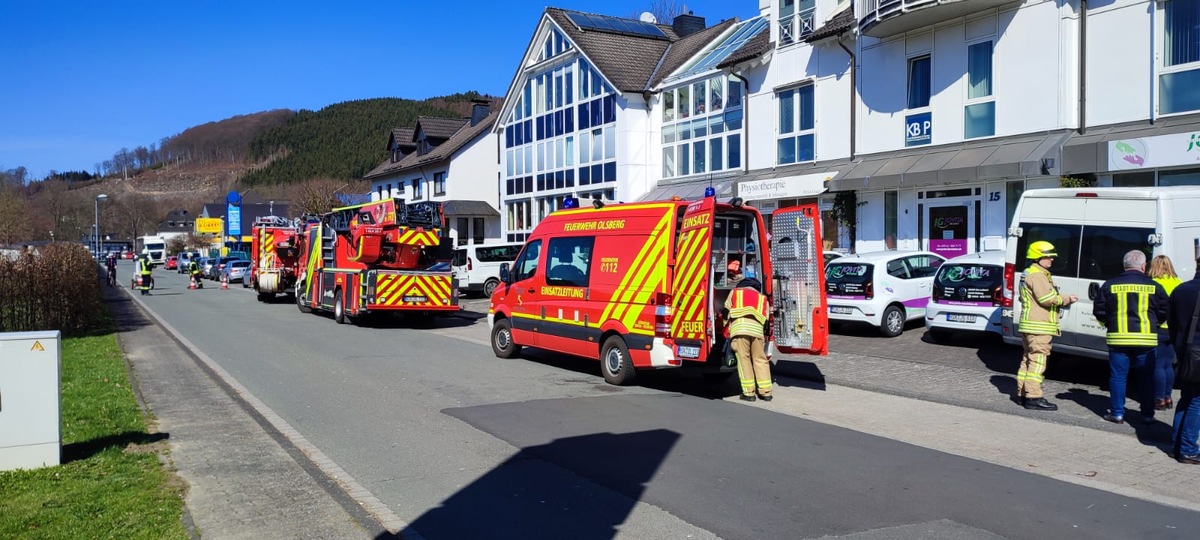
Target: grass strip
[[111, 483]]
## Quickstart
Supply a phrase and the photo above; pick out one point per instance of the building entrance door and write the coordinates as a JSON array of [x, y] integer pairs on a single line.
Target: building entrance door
[[951, 227]]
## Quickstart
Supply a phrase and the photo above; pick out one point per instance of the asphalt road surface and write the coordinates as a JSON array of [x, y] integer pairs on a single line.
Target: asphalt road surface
[[461, 444]]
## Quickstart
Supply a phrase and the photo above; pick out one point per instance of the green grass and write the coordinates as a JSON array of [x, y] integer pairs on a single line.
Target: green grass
[[111, 483]]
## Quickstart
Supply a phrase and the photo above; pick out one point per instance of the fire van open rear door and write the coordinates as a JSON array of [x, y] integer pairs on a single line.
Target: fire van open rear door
[[690, 282], [801, 322]]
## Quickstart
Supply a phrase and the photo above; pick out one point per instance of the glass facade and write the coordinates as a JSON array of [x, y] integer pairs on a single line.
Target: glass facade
[[797, 126], [702, 127]]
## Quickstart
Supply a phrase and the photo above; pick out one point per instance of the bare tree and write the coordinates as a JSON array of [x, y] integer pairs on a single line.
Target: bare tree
[[320, 195], [664, 11], [14, 223]]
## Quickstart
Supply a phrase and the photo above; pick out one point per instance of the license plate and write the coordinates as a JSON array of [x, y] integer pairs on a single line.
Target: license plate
[[415, 299], [840, 310], [689, 351], [955, 317]]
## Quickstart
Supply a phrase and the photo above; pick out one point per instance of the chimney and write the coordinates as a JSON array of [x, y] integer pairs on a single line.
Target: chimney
[[686, 24], [480, 108]]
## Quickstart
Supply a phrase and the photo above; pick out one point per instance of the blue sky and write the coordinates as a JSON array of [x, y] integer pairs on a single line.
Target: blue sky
[[85, 78]]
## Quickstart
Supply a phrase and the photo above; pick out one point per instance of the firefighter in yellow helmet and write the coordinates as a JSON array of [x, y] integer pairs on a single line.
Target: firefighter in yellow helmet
[[747, 314], [1038, 324]]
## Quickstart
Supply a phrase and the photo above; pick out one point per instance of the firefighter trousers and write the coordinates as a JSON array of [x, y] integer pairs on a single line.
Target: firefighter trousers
[[754, 370], [1033, 365]]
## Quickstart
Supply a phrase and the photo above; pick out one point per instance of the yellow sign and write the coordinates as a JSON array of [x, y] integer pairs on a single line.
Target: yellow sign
[[209, 226], [37, 346]]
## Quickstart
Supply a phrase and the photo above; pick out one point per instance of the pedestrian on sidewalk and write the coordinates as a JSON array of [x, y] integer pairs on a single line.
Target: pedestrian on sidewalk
[[747, 308], [1163, 272], [1132, 307], [1182, 323], [1040, 301]]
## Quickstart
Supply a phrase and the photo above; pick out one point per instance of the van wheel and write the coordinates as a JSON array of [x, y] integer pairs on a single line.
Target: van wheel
[[339, 310], [615, 363], [892, 324], [300, 299], [489, 286], [940, 336], [502, 340]]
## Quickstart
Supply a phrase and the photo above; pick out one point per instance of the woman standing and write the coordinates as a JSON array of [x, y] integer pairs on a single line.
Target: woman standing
[[1162, 271]]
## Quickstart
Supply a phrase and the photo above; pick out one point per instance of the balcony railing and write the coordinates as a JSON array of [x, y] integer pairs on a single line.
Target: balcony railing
[[793, 28], [883, 18]]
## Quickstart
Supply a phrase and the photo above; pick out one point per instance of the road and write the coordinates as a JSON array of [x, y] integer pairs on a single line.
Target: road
[[461, 444]]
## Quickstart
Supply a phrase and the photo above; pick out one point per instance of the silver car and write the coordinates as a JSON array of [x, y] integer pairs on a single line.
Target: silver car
[[236, 271]]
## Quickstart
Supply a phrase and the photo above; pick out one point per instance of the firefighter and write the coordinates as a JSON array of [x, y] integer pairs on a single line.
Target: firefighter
[[1038, 324], [144, 269], [747, 308], [194, 273], [1131, 306]]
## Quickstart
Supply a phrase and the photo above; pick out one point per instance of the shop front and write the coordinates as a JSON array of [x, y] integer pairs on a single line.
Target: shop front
[[769, 190], [1138, 155]]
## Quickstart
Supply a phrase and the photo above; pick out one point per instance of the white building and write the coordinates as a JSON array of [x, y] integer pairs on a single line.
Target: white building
[[579, 119], [452, 161]]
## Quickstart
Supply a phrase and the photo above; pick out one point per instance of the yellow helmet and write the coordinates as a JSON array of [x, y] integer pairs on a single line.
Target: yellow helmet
[[1040, 249]]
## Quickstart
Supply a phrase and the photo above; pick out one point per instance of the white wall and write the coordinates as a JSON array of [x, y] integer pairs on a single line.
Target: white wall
[[474, 170], [639, 148], [1120, 60]]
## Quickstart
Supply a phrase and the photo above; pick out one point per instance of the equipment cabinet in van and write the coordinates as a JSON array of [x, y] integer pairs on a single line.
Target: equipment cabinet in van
[[1092, 229], [642, 285]]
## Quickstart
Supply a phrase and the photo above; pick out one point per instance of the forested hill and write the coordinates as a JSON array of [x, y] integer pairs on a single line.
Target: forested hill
[[344, 140]]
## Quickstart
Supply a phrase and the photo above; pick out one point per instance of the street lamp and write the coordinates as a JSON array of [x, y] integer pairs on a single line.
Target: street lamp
[[97, 245]]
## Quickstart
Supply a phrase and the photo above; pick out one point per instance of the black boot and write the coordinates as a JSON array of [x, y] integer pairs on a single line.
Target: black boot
[[1038, 404]]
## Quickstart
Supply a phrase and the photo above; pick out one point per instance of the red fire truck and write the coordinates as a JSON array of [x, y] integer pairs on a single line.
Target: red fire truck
[[378, 257], [274, 257]]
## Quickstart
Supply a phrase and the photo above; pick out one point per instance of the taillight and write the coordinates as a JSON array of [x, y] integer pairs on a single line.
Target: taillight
[[1010, 273], [470, 264], [869, 290], [937, 292], [998, 296], [662, 315]]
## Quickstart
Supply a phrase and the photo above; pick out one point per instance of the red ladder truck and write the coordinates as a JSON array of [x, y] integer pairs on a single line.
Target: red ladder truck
[[274, 257], [378, 257]]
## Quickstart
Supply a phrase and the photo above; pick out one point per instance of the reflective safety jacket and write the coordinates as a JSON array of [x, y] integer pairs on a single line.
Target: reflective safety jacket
[[1131, 306], [143, 267], [1169, 283], [747, 312], [194, 267], [1039, 303]]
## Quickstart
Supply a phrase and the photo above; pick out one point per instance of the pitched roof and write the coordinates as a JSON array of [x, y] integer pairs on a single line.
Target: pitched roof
[[402, 136], [440, 128], [464, 135], [626, 60], [841, 22], [683, 50], [757, 46]]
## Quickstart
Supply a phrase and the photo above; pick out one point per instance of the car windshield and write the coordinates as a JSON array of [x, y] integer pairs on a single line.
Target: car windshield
[[240, 264]]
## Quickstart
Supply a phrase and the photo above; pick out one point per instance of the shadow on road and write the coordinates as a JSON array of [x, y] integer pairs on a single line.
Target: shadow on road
[[538, 493]]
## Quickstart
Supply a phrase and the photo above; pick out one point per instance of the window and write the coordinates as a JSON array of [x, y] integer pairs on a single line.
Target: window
[[1104, 248], [795, 21], [526, 264], [519, 215], [1185, 177], [897, 269], [890, 219], [416, 187], [919, 81], [980, 113], [1179, 82], [1066, 243], [709, 115], [478, 228], [461, 225], [439, 183], [797, 135], [568, 261], [922, 266]]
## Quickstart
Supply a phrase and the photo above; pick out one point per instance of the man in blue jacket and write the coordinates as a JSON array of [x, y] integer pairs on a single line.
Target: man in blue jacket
[[1187, 415], [1131, 306]]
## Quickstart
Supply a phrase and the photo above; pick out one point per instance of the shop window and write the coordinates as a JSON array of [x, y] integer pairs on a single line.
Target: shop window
[[1187, 177], [1137, 179]]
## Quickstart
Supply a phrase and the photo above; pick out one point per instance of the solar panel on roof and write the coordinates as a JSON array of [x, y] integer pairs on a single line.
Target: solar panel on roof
[[604, 23]]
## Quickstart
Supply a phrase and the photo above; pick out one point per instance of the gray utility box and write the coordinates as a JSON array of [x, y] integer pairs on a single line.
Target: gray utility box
[[30, 419]]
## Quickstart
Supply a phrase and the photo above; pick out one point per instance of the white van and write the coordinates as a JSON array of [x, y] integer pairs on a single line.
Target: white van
[[477, 266], [1092, 229]]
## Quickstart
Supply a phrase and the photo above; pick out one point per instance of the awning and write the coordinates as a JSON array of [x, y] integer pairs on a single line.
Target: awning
[[690, 190], [790, 181], [1019, 156], [469, 208], [1089, 153]]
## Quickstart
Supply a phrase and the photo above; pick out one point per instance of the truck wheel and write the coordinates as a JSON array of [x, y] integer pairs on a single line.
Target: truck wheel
[[489, 286], [892, 323], [502, 340], [300, 300], [265, 297], [615, 364], [339, 310]]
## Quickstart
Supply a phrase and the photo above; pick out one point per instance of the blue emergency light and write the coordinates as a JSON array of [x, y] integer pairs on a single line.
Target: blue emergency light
[[569, 203], [710, 192]]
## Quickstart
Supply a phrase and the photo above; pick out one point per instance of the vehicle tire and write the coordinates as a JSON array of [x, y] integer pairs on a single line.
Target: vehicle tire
[[265, 297], [300, 299], [489, 286], [615, 364], [892, 322], [339, 310], [941, 336], [502, 340]]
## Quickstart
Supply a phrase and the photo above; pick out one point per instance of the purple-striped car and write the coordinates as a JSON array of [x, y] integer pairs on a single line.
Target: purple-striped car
[[968, 292], [884, 289]]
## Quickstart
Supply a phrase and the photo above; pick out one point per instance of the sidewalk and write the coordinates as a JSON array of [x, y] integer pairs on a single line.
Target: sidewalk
[[244, 478]]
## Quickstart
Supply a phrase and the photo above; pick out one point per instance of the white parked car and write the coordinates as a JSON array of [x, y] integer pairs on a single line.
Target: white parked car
[[477, 266], [968, 294], [884, 289]]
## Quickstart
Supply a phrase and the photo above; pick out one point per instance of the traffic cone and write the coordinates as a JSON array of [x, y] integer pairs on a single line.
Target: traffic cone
[[191, 283], [224, 282]]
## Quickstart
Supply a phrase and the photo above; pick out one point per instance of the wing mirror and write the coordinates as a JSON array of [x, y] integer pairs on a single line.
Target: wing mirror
[[505, 275], [1093, 291]]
